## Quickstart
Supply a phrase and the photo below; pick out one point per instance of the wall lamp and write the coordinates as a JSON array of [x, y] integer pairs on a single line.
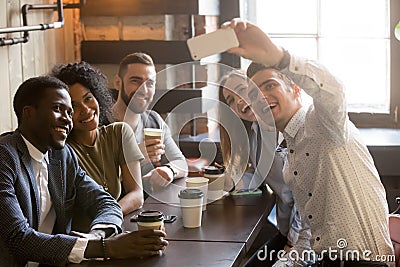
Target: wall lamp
[[41, 27]]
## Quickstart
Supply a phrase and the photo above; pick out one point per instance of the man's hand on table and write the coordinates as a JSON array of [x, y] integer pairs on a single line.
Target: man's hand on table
[[137, 244]]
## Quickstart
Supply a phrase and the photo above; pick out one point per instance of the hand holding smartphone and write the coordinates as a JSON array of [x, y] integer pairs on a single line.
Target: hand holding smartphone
[[212, 43]]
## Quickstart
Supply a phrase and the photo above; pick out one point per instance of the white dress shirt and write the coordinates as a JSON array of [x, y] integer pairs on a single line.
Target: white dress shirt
[[47, 212], [335, 184]]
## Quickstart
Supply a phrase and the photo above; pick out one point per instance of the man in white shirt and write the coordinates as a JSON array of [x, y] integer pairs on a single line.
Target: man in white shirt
[[41, 183], [332, 176]]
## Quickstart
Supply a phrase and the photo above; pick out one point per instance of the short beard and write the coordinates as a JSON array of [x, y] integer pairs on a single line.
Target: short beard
[[127, 100]]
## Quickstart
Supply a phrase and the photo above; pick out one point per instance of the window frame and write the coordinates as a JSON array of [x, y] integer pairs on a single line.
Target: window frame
[[391, 120]]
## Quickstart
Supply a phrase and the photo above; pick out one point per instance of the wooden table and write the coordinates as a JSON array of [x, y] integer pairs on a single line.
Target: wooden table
[[183, 253], [229, 227], [220, 223]]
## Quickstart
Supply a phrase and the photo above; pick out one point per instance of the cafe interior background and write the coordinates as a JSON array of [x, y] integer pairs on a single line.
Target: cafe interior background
[[354, 38]]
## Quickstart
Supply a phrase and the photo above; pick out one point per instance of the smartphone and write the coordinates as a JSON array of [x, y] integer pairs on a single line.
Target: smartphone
[[246, 192], [167, 218], [134, 218], [212, 43]]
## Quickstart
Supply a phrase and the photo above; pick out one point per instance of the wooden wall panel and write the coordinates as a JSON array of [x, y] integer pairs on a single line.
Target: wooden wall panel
[[14, 59], [29, 49], [146, 7], [5, 109], [68, 32], [36, 57]]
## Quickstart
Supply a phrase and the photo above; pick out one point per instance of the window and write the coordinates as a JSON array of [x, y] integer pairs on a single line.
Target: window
[[353, 38]]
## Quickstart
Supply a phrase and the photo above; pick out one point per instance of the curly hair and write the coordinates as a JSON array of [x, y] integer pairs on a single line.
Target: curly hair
[[90, 77]]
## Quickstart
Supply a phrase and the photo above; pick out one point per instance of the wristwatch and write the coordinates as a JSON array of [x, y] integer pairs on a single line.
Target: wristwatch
[[284, 61], [174, 173]]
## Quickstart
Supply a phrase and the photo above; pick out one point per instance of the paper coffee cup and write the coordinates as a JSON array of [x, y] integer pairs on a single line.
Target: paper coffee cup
[[150, 219], [216, 182], [200, 183], [191, 200], [153, 133]]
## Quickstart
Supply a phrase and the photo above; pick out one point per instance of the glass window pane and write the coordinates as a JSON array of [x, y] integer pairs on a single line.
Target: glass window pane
[[287, 16], [362, 65], [304, 47], [350, 37], [355, 18]]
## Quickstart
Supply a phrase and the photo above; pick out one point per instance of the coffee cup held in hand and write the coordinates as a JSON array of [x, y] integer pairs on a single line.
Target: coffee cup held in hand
[[150, 219], [153, 133]]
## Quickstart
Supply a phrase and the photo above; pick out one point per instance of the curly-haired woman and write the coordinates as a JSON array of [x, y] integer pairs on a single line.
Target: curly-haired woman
[[109, 153]]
